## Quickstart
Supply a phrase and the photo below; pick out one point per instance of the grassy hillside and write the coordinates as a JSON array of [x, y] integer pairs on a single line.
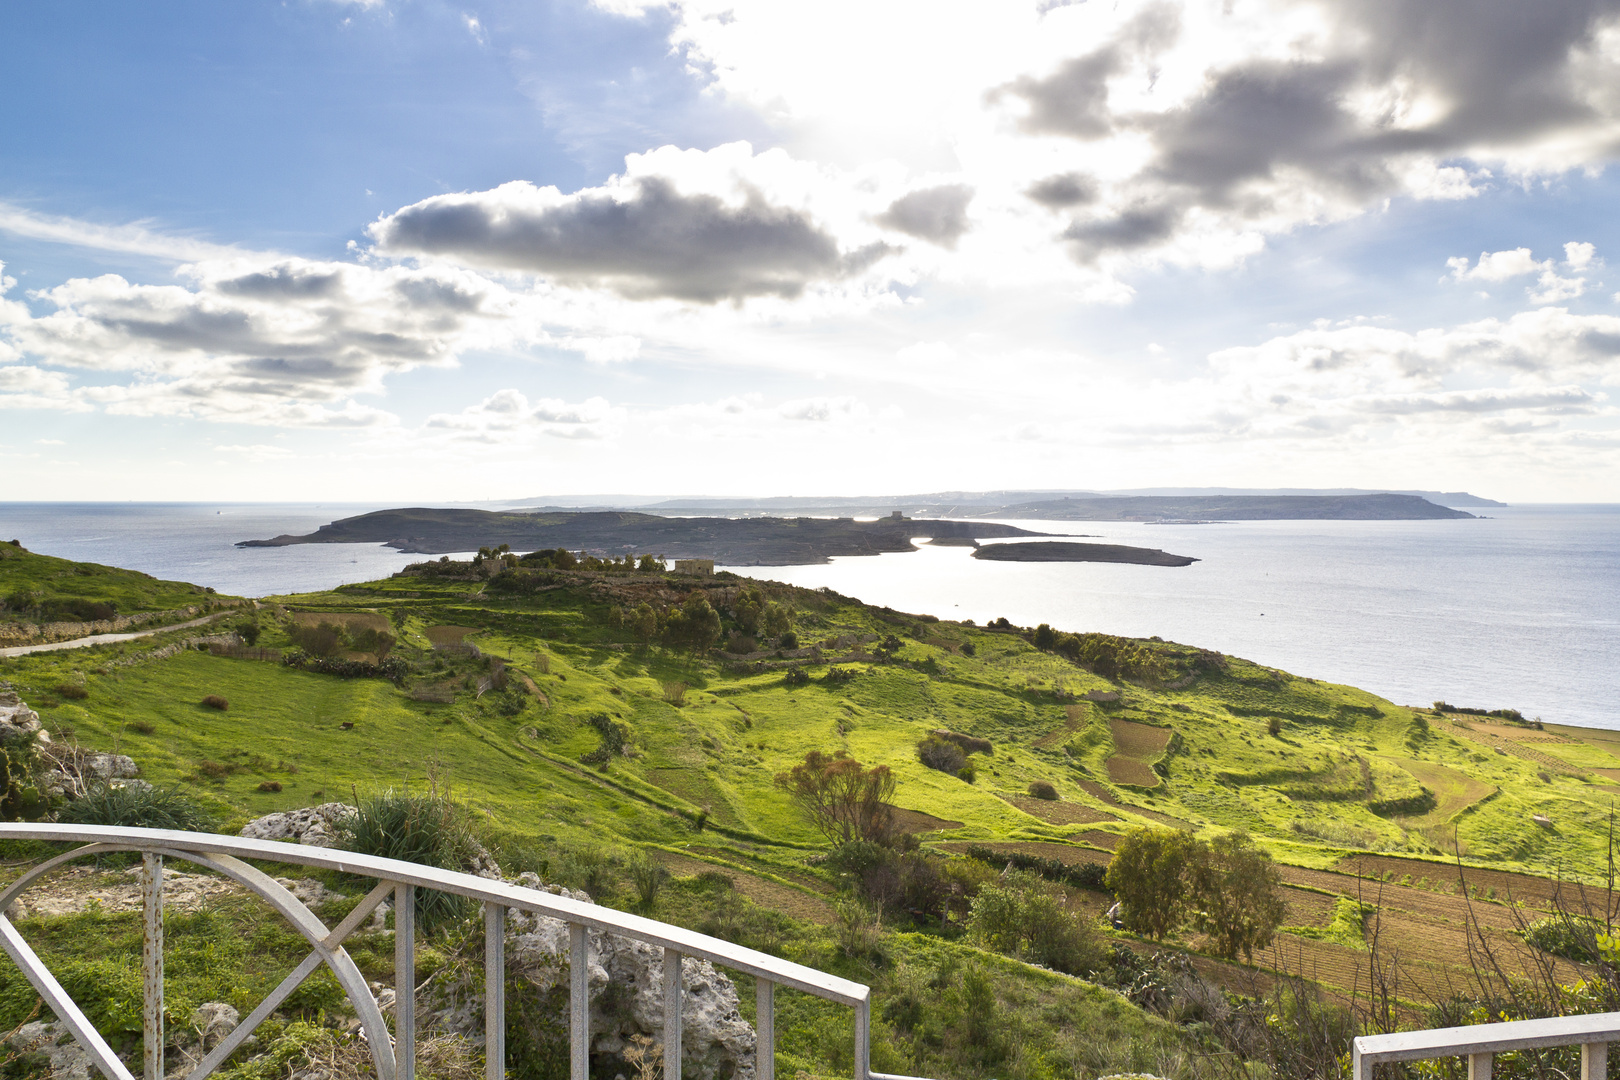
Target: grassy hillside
[[1425, 816], [43, 589]]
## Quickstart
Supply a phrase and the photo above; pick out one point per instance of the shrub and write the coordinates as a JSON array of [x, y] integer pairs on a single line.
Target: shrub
[[843, 799], [968, 649], [941, 754], [270, 786], [137, 806], [796, 677], [970, 744], [1043, 789], [967, 774], [424, 828], [142, 727], [72, 691], [675, 693], [1274, 726], [649, 878], [214, 701], [789, 640], [838, 676], [1573, 939], [1023, 916], [1082, 876], [615, 737]]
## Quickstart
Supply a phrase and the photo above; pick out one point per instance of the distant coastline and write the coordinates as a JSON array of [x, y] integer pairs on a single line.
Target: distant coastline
[[1058, 551]]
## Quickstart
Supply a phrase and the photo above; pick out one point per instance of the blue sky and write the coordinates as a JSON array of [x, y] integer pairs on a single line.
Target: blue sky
[[422, 252]]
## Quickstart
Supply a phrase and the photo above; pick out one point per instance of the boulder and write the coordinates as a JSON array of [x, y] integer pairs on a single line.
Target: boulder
[[16, 718], [212, 1021], [313, 825], [68, 1060], [716, 1042]]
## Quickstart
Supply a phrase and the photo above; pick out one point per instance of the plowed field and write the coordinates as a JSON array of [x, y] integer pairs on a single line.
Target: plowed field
[[1136, 748], [1057, 812], [762, 891], [1453, 791]]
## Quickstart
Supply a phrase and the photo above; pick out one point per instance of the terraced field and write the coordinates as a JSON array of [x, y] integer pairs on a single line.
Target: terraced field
[[1136, 748], [1454, 791], [1059, 812]]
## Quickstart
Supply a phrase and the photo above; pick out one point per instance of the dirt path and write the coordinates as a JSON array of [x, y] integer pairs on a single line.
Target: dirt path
[[107, 639]]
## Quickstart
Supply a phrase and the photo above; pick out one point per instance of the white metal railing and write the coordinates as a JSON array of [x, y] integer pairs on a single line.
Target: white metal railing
[[394, 1057], [1481, 1042]]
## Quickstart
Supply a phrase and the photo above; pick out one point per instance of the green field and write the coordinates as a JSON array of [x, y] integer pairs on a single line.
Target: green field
[[1317, 772]]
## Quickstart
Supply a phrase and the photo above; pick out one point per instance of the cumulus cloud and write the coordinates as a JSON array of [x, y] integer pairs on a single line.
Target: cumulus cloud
[[1182, 130], [936, 214], [270, 341], [694, 227], [1550, 287], [509, 416]]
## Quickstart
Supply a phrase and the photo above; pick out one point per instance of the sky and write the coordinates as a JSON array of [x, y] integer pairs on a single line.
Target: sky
[[411, 251]]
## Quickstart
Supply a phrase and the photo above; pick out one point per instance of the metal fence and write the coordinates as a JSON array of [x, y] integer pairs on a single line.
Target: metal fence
[[1481, 1042], [395, 1056]]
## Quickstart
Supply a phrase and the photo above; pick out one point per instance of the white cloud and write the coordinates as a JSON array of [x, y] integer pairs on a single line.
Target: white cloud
[[127, 239], [1497, 266], [509, 417], [1550, 287]]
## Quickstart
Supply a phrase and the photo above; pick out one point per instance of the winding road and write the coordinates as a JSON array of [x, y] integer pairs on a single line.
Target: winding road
[[106, 639]]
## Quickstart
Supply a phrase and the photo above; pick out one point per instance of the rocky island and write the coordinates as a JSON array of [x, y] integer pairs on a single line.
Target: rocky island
[[1058, 551], [764, 541]]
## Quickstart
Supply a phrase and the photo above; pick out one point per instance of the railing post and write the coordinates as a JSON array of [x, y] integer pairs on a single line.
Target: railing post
[[765, 1027], [579, 1005], [1479, 1066], [1594, 1061], [672, 1015], [1360, 1069], [152, 963], [404, 981], [863, 1039], [494, 991]]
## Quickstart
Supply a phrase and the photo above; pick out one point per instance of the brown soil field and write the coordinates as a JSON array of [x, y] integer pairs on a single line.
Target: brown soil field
[[1056, 812], [1534, 891], [1608, 774], [1137, 746], [1063, 853], [798, 877], [448, 635], [1098, 838], [1513, 731], [1139, 740], [762, 891], [1123, 770], [356, 620], [697, 789], [1515, 747], [915, 821], [1307, 908]]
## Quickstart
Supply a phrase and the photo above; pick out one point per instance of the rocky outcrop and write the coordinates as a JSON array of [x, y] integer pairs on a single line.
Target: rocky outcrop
[[68, 1060], [316, 826], [716, 1042], [16, 718]]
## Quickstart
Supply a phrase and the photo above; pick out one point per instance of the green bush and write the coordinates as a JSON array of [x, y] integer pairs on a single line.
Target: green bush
[[137, 806], [1043, 789], [1023, 916], [425, 828], [941, 754]]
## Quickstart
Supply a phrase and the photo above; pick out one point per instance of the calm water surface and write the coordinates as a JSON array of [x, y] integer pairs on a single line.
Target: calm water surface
[[1521, 610]]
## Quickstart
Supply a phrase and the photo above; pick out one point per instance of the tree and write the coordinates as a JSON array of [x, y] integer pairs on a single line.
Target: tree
[[1148, 875], [843, 799], [1045, 637], [1236, 895], [700, 623], [643, 622]]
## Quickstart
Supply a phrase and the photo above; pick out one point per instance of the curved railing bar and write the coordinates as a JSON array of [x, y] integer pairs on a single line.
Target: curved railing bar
[[342, 964], [688, 942], [18, 887]]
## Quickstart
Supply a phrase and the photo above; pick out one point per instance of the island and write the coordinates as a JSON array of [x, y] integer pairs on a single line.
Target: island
[[760, 541], [1059, 551]]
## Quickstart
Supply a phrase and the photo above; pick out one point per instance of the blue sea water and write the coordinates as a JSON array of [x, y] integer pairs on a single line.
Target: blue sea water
[[1517, 610]]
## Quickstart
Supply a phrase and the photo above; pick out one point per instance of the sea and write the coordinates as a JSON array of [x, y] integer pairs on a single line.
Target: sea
[[1519, 608]]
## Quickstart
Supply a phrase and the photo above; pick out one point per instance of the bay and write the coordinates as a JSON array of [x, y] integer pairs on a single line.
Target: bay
[[1517, 610]]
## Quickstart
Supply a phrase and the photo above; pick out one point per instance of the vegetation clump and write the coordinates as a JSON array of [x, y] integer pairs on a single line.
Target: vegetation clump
[[1043, 789], [136, 805], [420, 827], [214, 701]]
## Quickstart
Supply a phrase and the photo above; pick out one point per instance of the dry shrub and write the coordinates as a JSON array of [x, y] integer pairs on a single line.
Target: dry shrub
[[270, 786], [72, 691], [970, 744], [1042, 789], [675, 693], [214, 701], [216, 770], [142, 727]]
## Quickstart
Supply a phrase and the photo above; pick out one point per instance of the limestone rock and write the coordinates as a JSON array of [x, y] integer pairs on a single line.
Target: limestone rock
[[212, 1021], [16, 718], [716, 1042], [313, 825], [69, 1060]]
